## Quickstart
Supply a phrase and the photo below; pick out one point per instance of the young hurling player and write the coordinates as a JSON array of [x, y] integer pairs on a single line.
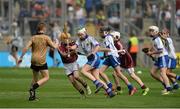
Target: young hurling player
[[127, 63], [69, 58], [112, 60], [162, 58], [38, 44], [90, 48], [172, 58]]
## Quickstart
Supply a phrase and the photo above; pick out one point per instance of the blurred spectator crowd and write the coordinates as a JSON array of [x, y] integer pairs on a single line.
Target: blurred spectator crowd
[[19, 18], [96, 12]]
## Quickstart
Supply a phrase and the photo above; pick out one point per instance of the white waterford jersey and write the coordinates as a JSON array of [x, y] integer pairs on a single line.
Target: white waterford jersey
[[171, 49], [109, 43], [88, 44], [158, 44]]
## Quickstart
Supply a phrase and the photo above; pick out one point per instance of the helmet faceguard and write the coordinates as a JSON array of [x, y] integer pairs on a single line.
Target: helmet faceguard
[[82, 33], [116, 34], [153, 30], [104, 31]]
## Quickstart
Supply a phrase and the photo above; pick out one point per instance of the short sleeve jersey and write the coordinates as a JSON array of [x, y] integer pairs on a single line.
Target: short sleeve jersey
[[39, 45], [171, 49], [109, 43], [88, 44], [158, 44]]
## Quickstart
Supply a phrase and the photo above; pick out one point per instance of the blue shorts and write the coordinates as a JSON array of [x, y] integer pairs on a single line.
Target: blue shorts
[[162, 62], [94, 61], [172, 63], [111, 61]]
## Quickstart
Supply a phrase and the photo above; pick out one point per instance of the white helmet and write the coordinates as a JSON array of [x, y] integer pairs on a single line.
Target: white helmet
[[116, 34], [82, 31], [155, 28]]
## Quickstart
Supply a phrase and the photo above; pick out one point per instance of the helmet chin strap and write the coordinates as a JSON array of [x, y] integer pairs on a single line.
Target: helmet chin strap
[[84, 36], [151, 36], [105, 33]]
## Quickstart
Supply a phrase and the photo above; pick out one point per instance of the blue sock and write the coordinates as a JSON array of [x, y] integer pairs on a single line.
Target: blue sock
[[96, 82], [130, 87], [175, 85], [109, 85], [168, 88], [178, 77], [108, 90]]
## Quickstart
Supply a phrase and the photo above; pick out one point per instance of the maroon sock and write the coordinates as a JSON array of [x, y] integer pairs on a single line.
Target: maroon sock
[[143, 87]]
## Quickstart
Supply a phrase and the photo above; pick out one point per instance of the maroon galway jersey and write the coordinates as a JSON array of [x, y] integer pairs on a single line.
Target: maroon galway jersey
[[125, 59], [67, 59]]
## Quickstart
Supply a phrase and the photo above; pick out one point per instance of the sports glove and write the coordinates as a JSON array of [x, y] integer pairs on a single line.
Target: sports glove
[[91, 57], [145, 50]]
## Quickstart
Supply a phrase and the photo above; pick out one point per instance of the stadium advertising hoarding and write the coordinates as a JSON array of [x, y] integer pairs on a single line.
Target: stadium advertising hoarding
[[6, 60], [178, 59]]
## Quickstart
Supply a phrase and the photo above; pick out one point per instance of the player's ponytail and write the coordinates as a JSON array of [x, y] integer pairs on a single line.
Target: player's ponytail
[[65, 35]]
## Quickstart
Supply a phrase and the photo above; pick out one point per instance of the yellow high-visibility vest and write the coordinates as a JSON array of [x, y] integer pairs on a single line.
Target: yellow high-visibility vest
[[134, 44]]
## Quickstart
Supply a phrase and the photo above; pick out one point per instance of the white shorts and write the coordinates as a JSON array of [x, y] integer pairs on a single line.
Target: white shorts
[[129, 70], [71, 67]]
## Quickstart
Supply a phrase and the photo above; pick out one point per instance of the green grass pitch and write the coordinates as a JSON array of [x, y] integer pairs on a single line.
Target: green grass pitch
[[59, 93]]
